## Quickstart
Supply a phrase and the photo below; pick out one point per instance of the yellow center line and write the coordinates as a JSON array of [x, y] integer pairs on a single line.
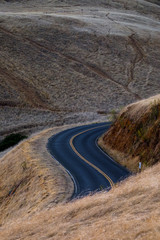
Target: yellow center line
[[85, 160]]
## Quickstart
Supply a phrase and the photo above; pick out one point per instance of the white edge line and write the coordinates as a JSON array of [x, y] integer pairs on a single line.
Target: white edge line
[[118, 164], [71, 176], [96, 143]]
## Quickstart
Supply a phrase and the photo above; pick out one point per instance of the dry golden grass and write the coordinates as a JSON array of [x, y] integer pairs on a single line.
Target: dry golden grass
[[38, 209], [131, 210], [30, 179], [140, 108]]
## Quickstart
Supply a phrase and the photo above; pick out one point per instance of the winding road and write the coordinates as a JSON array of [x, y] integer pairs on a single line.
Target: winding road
[[89, 167]]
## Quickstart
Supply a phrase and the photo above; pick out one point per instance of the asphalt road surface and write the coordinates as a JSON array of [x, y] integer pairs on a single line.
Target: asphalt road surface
[[89, 167]]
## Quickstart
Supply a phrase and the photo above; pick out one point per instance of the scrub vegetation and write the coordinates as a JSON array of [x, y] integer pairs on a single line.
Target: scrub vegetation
[[11, 140]]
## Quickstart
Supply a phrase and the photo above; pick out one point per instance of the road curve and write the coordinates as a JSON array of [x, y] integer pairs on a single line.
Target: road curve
[[89, 167]]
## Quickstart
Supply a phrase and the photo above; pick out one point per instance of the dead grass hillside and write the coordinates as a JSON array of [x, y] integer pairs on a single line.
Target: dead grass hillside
[[130, 211], [34, 191], [31, 180], [135, 136], [77, 56]]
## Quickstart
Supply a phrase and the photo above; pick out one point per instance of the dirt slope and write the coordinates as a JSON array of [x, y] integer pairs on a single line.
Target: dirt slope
[[135, 136]]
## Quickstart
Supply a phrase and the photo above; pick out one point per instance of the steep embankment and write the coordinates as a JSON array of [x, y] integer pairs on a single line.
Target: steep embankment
[[135, 136]]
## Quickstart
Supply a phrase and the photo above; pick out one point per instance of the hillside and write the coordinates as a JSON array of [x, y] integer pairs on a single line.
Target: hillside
[[129, 211], [30, 180], [35, 191], [135, 135], [65, 61]]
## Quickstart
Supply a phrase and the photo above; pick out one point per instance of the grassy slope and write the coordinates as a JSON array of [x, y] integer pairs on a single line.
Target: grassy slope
[[135, 136], [38, 208], [129, 211], [30, 179]]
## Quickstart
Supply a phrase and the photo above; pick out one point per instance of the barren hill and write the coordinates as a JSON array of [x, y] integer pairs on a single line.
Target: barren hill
[[61, 58]]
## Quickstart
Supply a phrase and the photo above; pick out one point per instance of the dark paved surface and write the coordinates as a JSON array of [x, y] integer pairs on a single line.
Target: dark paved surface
[[86, 178]]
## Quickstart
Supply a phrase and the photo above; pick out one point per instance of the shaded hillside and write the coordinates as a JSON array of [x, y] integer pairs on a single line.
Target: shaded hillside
[[135, 136]]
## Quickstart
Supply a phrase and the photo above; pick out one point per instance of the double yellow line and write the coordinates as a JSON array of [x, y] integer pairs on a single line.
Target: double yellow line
[[85, 160]]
